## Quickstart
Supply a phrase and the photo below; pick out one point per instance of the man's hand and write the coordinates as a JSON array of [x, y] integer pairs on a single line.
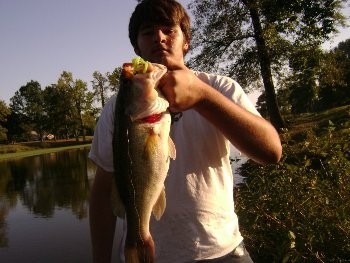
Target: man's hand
[[180, 87]]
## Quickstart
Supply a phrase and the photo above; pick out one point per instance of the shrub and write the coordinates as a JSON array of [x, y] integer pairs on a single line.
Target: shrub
[[299, 209]]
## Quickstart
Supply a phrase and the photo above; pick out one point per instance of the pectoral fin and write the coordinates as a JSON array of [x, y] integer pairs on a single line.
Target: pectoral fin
[[151, 144], [159, 206]]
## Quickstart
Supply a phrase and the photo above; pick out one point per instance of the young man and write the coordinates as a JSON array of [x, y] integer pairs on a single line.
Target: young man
[[199, 223]]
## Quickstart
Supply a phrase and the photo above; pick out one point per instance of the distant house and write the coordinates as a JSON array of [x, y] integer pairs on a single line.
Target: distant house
[[50, 136]]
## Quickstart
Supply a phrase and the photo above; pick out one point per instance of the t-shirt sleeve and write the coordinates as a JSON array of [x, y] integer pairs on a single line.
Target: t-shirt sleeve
[[230, 88], [101, 152]]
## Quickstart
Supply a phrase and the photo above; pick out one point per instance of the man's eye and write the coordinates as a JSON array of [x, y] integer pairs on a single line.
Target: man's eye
[[147, 31], [168, 30]]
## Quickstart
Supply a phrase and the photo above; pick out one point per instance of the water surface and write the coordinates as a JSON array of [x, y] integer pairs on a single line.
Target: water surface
[[44, 208]]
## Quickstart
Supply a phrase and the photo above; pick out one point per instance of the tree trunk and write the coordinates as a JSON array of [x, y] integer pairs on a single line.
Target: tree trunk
[[102, 96], [82, 127], [265, 68]]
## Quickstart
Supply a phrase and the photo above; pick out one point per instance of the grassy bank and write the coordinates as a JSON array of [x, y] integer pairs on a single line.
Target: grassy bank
[[25, 149], [299, 209]]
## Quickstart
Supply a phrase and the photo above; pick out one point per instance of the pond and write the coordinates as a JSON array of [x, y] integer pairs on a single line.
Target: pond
[[44, 208]]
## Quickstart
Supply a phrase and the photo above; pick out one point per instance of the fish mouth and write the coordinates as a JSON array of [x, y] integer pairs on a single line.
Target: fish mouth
[[152, 118]]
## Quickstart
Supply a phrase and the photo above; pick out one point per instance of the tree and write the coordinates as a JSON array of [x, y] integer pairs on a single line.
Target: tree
[[303, 84], [69, 104], [251, 40], [14, 130], [56, 108], [334, 79], [103, 85], [82, 104], [65, 85], [27, 107], [100, 87], [4, 113], [113, 79], [318, 80]]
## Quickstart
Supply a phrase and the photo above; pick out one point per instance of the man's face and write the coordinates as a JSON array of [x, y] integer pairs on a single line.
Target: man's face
[[162, 44]]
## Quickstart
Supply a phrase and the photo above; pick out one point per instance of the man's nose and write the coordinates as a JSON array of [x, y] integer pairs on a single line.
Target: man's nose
[[158, 35]]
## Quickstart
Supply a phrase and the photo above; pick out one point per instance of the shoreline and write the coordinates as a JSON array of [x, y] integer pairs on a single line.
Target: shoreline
[[23, 154]]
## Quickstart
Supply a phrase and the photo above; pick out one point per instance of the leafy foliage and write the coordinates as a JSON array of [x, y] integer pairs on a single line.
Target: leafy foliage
[[27, 108], [298, 210], [104, 85], [303, 87], [335, 77], [253, 40], [319, 80], [65, 108], [4, 113]]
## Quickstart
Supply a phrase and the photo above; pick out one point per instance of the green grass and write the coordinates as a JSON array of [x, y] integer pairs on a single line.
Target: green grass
[[21, 150]]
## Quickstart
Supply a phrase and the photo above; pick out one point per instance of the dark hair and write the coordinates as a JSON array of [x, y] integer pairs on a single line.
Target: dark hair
[[159, 12]]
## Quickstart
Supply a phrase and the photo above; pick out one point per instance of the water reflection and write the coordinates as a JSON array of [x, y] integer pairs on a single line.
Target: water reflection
[[44, 208], [43, 186]]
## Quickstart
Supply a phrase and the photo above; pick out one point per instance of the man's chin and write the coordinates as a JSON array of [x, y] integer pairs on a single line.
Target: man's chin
[[161, 59], [167, 61]]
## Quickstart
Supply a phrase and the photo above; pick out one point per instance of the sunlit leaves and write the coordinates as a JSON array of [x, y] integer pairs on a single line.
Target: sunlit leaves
[[253, 40]]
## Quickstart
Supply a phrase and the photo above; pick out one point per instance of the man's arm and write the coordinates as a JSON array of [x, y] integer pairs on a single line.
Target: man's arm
[[102, 220], [251, 134]]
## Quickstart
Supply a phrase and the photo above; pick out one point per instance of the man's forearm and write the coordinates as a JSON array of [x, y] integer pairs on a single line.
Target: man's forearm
[[102, 220], [251, 134]]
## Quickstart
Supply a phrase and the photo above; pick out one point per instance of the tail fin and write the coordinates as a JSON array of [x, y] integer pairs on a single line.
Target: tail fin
[[142, 253]]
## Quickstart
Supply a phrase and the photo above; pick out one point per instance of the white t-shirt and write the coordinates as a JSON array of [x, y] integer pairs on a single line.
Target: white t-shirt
[[199, 221]]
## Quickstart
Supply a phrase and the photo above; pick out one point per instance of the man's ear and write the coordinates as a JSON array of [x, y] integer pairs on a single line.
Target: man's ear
[[185, 48]]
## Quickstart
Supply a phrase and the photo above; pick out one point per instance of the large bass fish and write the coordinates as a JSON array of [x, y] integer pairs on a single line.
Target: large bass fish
[[142, 150]]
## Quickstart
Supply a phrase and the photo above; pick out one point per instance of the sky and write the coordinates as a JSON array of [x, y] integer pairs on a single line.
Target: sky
[[39, 39]]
